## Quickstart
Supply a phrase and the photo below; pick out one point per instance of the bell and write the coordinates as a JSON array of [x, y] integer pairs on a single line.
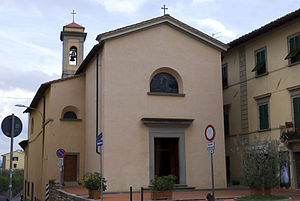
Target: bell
[[73, 55]]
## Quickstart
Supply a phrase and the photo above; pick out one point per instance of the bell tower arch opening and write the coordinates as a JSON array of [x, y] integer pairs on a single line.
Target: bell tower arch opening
[[72, 37]]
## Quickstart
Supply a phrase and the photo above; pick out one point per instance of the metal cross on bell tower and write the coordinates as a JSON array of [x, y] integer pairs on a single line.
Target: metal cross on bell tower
[[164, 8], [73, 13]]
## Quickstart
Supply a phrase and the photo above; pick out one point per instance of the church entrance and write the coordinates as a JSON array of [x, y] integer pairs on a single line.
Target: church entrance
[[70, 168], [166, 157]]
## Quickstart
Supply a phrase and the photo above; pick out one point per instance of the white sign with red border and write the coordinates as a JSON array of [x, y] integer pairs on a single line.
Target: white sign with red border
[[210, 133]]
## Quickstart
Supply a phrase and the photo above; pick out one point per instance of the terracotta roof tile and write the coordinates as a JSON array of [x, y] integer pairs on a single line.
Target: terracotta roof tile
[[74, 25], [266, 28]]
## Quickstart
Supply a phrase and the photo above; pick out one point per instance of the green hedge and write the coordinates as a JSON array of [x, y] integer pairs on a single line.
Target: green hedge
[[17, 182]]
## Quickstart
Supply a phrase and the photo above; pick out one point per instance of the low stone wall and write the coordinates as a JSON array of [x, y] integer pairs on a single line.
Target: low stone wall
[[57, 194]]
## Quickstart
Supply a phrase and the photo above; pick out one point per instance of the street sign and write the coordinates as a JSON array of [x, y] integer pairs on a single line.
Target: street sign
[[60, 162], [99, 140], [60, 153], [210, 151], [7, 125], [210, 145], [210, 133]]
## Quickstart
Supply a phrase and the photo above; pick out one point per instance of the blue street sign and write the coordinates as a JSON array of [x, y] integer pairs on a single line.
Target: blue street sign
[[99, 140]]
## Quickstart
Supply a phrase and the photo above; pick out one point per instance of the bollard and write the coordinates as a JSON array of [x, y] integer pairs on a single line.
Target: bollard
[[130, 193], [142, 194]]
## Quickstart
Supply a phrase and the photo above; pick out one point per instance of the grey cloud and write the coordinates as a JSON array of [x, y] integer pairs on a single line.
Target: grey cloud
[[11, 78]]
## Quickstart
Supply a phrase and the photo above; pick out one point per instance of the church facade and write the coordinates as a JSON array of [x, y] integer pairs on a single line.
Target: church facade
[[151, 89]]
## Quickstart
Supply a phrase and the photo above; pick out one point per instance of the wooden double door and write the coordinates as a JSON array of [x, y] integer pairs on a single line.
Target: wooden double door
[[166, 157]]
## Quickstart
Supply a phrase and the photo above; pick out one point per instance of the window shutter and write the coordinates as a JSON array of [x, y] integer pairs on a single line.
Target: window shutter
[[296, 106], [263, 116]]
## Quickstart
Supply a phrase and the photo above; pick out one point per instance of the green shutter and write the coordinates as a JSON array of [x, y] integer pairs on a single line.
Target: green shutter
[[263, 117], [294, 47], [260, 61], [296, 106]]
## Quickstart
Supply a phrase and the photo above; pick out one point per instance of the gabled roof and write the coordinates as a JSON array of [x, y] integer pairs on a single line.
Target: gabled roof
[[266, 28], [165, 19], [40, 93]]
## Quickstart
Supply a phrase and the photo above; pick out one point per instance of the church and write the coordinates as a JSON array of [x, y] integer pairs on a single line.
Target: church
[[150, 88]]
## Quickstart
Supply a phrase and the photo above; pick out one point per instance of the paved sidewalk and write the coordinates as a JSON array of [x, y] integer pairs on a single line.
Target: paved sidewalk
[[221, 195]]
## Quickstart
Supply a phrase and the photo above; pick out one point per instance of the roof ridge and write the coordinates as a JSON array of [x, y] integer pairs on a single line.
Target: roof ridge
[[266, 28]]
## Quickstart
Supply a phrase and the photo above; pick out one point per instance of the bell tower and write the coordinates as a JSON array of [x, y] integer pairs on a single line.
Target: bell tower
[[73, 38]]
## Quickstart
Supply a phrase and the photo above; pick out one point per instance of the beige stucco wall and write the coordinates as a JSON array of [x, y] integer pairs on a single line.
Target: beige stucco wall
[[280, 77], [68, 135], [126, 67]]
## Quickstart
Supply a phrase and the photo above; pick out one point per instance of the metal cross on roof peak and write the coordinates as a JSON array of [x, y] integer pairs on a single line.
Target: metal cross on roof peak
[[164, 8], [73, 13]]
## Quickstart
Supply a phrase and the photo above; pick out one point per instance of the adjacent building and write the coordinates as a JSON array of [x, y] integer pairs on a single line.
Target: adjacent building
[[17, 160], [261, 92], [151, 88]]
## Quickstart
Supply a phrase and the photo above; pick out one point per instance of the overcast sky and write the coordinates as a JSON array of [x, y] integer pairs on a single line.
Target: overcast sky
[[30, 47]]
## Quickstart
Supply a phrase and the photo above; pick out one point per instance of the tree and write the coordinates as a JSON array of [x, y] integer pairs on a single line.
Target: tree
[[261, 163]]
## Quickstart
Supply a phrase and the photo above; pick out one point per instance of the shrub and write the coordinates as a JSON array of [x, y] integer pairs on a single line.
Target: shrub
[[261, 162], [4, 182], [91, 181], [163, 183]]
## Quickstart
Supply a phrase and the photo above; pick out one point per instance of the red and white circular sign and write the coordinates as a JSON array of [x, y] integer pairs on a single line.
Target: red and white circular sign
[[210, 133]]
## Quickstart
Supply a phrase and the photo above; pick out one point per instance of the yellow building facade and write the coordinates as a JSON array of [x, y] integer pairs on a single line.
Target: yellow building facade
[[261, 88], [151, 88], [17, 160]]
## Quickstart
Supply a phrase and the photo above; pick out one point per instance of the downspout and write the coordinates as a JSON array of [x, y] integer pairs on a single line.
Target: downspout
[[97, 98]]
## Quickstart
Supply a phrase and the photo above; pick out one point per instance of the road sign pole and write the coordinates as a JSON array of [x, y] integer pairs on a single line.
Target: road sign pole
[[212, 175], [101, 173], [11, 155]]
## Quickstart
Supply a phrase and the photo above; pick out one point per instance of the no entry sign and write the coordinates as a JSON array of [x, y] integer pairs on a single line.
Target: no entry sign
[[60, 153], [210, 133]]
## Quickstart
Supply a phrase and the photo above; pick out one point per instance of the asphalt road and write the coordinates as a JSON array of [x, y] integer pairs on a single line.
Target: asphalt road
[[2, 198], [16, 198]]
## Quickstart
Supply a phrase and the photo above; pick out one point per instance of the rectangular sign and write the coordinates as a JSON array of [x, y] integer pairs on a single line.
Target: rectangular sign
[[99, 140], [210, 145], [210, 151]]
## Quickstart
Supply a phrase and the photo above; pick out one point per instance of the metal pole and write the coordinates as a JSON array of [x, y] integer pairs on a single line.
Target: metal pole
[[142, 194], [130, 193], [101, 173], [11, 154], [212, 176]]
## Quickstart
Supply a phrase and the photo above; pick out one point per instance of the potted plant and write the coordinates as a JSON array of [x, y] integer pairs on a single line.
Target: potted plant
[[161, 187], [92, 181]]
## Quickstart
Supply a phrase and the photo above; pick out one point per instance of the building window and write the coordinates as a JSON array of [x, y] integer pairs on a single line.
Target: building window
[[15, 158], [15, 165], [296, 110], [164, 83], [294, 49], [263, 111], [260, 62], [70, 115], [224, 76], [263, 116], [226, 120]]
